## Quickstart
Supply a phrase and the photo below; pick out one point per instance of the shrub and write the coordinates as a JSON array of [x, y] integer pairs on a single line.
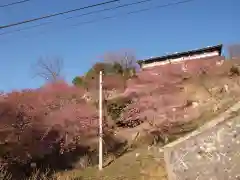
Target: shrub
[[234, 71], [99, 66], [51, 119], [115, 76], [118, 68], [116, 106], [78, 81]]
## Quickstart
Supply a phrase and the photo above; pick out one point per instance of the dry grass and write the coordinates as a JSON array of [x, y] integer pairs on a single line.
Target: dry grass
[[142, 163], [4, 174], [36, 175], [138, 164]]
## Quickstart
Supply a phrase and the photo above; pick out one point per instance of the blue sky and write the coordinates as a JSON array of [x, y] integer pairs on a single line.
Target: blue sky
[[151, 33]]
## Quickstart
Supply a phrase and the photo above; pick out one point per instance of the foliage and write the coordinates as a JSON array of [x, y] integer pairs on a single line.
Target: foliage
[[51, 119], [112, 77], [125, 58], [124, 62], [116, 106], [234, 70], [120, 66], [116, 67], [78, 81], [97, 67]]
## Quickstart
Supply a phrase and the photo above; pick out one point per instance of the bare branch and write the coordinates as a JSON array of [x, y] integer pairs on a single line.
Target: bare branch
[[125, 58], [49, 70], [234, 51]]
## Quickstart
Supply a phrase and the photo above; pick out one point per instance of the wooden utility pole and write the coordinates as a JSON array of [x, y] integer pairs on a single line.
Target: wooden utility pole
[[100, 122]]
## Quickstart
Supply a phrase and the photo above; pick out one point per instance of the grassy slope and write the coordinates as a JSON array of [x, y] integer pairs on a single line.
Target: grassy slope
[[148, 165]]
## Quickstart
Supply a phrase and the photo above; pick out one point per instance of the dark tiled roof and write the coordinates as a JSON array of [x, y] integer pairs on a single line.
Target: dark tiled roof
[[176, 55]]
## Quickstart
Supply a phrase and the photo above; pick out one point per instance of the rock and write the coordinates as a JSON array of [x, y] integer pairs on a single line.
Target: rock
[[160, 150], [226, 88], [220, 63], [184, 68], [195, 104], [215, 108], [33, 165], [82, 163], [87, 97], [109, 159]]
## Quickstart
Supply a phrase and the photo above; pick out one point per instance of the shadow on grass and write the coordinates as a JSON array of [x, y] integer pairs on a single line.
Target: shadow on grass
[[81, 157]]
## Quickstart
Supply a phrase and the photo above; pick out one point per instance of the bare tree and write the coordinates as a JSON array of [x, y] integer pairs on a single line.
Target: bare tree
[[51, 70], [126, 59], [234, 51], [125, 63]]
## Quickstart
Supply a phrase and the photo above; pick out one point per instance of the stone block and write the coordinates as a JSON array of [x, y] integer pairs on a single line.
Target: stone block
[[210, 153]]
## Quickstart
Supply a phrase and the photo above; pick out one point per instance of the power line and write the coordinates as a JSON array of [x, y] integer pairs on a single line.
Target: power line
[[135, 12], [14, 3], [56, 14], [129, 13], [107, 9], [77, 16]]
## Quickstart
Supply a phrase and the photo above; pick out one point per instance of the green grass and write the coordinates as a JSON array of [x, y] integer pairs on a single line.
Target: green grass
[[148, 164]]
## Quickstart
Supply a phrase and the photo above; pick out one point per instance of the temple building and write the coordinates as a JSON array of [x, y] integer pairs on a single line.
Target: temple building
[[210, 51]]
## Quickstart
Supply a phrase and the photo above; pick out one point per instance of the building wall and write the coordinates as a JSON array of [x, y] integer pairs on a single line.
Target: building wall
[[184, 58]]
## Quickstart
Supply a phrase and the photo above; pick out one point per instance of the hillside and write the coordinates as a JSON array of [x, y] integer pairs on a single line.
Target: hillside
[[151, 107], [167, 94], [166, 104]]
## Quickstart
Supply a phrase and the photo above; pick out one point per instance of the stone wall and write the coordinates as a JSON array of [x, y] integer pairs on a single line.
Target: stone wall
[[210, 153]]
